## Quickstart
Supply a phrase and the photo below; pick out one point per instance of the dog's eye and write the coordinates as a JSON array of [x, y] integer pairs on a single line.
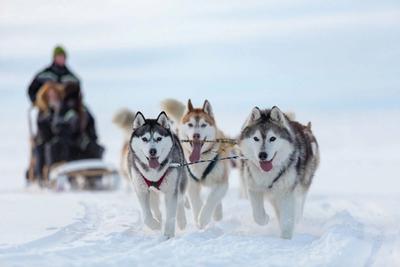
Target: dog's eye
[[190, 125], [272, 139], [256, 138], [158, 139], [203, 125], [144, 139]]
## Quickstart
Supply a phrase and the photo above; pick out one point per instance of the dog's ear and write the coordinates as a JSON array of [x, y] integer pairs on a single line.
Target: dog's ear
[[190, 105], [139, 120], [277, 115], [254, 115], [207, 108], [163, 120]]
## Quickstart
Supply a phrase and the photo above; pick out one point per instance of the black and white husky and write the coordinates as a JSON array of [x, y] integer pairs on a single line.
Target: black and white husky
[[153, 152], [282, 157]]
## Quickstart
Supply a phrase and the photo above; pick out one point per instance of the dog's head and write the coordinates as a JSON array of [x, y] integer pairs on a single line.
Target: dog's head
[[151, 139], [266, 138], [198, 125]]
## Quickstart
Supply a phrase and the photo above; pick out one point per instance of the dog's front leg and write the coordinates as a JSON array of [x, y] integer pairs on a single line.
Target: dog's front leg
[[144, 200], [257, 204], [180, 214], [155, 205], [194, 197], [217, 192], [286, 211], [171, 202], [218, 213]]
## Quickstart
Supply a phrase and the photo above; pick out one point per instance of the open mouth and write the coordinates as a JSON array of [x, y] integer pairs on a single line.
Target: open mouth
[[153, 162], [196, 150], [266, 165]]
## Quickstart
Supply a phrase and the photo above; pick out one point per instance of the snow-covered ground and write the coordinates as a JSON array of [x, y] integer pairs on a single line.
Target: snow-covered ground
[[332, 63], [106, 229], [351, 217]]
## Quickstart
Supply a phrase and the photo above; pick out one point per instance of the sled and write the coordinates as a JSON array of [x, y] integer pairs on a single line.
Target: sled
[[87, 174]]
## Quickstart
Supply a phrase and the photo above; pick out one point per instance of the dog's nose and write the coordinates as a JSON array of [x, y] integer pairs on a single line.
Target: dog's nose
[[262, 155], [153, 152], [196, 136]]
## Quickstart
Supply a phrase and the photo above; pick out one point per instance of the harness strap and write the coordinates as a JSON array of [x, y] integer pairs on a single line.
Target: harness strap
[[207, 171], [155, 184]]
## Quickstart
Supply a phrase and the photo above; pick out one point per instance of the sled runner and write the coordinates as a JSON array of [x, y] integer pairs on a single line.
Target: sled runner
[[91, 174]]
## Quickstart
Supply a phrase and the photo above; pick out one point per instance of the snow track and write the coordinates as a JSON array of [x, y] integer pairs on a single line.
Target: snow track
[[108, 231]]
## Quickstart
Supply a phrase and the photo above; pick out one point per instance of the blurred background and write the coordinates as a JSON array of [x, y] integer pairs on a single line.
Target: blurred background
[[335, 63]]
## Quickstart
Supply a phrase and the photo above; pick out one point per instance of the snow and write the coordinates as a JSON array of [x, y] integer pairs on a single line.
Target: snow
[[105, 229], [332, 63]]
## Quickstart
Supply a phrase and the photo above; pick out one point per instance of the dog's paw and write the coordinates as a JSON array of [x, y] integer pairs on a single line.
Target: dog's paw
[[168, 234], [203, 220], [152, 223], [217, 214], [164, 238], [261, 218], [287, 234], [181, 220]]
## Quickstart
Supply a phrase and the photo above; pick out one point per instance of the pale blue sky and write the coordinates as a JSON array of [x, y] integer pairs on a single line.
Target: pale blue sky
[[304, 54]]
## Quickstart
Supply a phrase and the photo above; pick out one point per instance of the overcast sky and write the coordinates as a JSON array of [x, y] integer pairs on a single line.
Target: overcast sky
[[298, 54]]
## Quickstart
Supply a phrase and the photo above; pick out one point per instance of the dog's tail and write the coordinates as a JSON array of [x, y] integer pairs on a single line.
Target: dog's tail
[[291, 115], [124, 119], [174, 108]]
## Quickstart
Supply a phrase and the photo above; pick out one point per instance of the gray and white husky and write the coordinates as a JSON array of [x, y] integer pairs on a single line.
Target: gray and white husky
[[153, 148], [282, 157]]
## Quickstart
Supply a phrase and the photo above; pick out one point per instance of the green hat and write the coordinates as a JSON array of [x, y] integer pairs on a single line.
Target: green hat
[[59, 50]]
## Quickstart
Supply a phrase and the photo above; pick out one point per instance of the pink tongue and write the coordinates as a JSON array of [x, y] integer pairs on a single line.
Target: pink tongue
[[195, 156], [153, 163], [266, 165]]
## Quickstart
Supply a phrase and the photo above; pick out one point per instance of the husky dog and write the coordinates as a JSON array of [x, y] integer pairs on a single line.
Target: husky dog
[[153, 148], [198, 125], [282, 157]]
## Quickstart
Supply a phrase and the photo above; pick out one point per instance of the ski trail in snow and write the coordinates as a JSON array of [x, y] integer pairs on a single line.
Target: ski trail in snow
[[376, 247], [62, 238]]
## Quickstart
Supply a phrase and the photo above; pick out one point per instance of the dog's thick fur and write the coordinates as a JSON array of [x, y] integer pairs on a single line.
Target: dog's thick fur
[[152, 149], [282, 157], [200, 122]]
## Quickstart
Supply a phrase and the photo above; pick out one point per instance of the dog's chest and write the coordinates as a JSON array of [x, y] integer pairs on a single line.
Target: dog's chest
[[168, 184], [274, 180]]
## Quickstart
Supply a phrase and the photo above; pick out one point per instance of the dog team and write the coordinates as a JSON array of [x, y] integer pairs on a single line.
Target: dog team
[[181, 152]]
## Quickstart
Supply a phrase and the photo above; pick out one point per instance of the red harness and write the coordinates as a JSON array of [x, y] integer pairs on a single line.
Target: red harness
[[155, 184]]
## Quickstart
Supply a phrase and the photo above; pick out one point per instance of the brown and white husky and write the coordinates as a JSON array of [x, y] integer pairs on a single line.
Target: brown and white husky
[[198, 125]]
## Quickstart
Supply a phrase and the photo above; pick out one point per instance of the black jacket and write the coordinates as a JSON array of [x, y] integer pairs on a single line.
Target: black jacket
[[52, 73]]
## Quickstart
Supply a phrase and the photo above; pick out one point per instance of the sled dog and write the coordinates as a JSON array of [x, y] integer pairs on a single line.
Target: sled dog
[[198, 125], [153, 148], [282, 157]]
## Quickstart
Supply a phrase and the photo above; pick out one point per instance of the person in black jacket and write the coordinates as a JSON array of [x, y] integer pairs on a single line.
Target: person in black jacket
[[66, 128], [82, 130], [56, 72]]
